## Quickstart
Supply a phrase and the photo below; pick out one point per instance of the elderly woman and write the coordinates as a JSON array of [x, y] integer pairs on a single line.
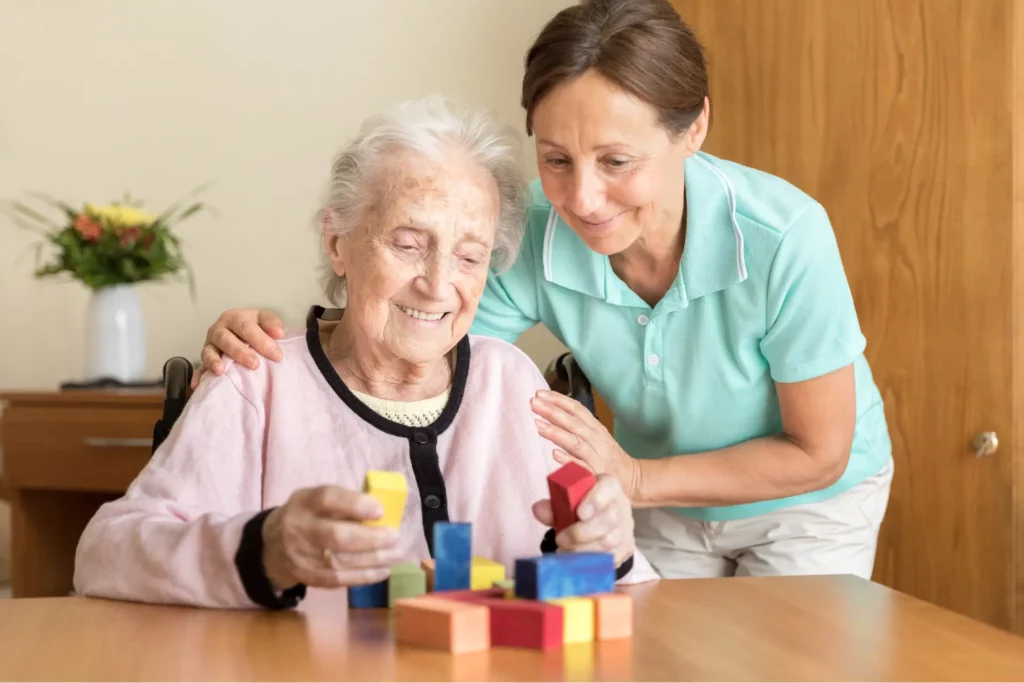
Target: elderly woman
[[705, 300], [255, 495]]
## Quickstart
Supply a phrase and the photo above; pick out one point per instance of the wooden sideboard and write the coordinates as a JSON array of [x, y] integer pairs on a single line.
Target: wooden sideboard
[[64, 455]]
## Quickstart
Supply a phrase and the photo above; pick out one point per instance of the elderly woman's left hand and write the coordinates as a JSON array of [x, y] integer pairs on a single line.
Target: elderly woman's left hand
[[583, 439]]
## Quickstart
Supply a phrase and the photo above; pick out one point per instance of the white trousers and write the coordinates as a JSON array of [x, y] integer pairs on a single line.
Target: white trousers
[[834, 536]]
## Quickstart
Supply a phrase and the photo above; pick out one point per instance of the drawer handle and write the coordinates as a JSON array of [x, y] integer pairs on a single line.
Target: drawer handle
[[99, 442]]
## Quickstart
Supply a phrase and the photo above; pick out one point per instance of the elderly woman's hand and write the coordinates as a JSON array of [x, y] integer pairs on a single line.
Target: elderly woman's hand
[[318, 539], [243, 335], [583, 439], [605, 521]]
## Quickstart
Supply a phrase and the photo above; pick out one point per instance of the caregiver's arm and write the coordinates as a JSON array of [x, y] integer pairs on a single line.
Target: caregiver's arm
[[812, 337], [818, 417]]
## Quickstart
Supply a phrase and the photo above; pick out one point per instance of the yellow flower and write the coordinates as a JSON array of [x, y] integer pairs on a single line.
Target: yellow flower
[[119, 216]]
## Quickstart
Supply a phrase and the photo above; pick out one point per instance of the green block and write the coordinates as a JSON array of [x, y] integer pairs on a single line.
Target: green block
[[508, 585], [407, 581]]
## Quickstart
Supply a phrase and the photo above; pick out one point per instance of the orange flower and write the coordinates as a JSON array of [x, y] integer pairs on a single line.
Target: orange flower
[[89, 230]]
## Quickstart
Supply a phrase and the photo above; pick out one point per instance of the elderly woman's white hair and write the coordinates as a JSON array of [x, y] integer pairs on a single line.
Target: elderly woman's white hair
[[432, 126]]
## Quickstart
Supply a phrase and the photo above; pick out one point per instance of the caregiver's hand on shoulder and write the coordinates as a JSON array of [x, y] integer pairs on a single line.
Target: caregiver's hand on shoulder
[[605, 521], [317, 538], [582, 438], [243, 335]]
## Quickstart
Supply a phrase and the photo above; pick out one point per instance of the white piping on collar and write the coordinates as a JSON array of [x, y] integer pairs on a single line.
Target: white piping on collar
[[549, 238], [741, 263]]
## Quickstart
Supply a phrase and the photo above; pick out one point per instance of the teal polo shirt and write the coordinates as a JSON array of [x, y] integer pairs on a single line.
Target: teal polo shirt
[[761, 297]]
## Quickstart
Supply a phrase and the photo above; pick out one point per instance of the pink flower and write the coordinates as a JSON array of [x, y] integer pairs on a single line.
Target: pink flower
[[89, 230], [129, 235]]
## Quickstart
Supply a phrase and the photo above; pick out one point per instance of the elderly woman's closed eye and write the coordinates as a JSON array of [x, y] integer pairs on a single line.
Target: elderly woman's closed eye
[[256, 494]]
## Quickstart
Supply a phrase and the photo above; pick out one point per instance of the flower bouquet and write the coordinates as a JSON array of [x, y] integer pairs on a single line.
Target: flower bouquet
[[110, 248]]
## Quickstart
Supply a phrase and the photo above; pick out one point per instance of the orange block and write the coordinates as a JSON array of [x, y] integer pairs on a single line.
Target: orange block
[[434, 623], [613, 616], [427, 566]]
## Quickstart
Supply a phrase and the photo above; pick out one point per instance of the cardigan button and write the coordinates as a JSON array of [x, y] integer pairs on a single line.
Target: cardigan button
[[432, 502], [420, 438]]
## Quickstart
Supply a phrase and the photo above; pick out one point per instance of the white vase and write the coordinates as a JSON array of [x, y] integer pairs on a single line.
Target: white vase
[[116, 335]]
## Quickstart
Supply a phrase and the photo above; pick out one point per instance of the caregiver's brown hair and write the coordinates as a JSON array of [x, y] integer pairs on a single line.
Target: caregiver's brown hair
[[642, 46]]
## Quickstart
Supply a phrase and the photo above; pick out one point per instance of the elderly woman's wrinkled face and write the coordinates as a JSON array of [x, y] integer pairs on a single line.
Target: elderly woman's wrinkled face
[[417, 263]]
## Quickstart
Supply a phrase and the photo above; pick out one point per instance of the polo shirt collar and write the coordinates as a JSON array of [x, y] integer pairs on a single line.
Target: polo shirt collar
[[713, 258]]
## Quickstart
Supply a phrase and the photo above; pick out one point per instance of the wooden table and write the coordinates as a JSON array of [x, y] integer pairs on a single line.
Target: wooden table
[[793, 628], [65, 454]]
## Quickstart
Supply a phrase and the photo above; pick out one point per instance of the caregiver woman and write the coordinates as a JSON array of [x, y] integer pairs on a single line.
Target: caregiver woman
[[706, 302]]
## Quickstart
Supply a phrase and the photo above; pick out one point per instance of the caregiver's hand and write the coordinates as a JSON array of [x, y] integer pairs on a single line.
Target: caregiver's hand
[[606, 521], [583, 439], [317, 538], [243, 335]]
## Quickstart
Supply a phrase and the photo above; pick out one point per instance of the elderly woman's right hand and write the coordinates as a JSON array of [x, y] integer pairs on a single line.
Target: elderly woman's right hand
[[243, 335], [318, 539]]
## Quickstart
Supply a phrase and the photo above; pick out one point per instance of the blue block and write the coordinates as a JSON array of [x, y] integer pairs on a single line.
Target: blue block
[[564, 575], [452, 556], [369, 596]]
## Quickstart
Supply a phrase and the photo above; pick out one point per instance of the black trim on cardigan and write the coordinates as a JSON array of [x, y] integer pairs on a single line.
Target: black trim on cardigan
[[249, 562], [549, 545], [422, 440]]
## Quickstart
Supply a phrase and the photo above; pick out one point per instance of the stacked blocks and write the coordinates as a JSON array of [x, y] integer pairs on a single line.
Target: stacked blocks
[[448, 625], [484, 573], [407, 580], [579, 619], [391, 490], [370, 596], [428, 568], [564, 575], [567, 487], [452, 558], [459, 603]]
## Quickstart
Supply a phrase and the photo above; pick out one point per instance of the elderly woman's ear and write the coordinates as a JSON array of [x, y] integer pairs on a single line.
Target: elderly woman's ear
[[333, 244]]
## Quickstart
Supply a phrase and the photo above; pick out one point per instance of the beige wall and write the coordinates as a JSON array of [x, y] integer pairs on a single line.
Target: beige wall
[[156, 97]]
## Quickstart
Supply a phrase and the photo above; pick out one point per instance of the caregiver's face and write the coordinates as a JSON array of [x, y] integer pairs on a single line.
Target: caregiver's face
[[607, 165], [417, 263]]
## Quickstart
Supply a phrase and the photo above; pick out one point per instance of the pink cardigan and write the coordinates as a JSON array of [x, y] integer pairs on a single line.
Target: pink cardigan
[[248, 439]]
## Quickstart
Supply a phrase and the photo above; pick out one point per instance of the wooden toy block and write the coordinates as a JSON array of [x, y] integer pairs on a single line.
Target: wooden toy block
[[448, 625], [578, 619], [407, 580], [525, 623], [484, 572], [370, 596], [613, 616], [428, 568], [508, 585], [567, 486], [391, 490], [471, 595], [452, 558], [564, 575]]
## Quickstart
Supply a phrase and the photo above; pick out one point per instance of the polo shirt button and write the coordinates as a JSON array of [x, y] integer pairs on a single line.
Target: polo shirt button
[[642, 319], [420, 437], [432, 502], [653, 359]]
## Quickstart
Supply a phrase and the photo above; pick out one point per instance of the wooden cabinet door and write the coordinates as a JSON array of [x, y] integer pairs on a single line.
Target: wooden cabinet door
[[898, 116]]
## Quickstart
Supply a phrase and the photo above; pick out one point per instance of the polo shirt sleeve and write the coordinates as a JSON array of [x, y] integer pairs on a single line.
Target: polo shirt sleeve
[[508, 306], [812, 326]]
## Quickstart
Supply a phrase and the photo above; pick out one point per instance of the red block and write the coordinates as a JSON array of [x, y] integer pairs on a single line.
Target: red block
[[470, 595], [525, 623], [567, 487]]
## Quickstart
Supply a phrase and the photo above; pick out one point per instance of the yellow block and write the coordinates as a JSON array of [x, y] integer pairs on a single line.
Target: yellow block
[[509, 586], [578, 617], [484, 573], [391, 490]]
